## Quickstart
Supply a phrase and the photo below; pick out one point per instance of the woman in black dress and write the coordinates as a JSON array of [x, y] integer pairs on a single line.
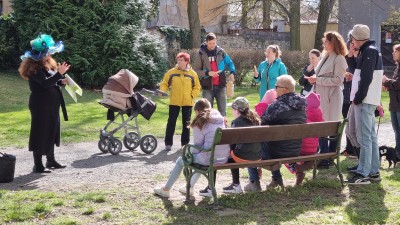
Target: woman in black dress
[[45, 77]]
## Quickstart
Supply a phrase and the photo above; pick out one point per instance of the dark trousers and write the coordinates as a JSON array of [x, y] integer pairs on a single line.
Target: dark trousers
[[345, 110], [37, 158], [253, 173], [234, 172], [172, 117]]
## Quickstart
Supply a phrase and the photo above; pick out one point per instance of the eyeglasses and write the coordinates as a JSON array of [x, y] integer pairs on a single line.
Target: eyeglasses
[[276, 87]]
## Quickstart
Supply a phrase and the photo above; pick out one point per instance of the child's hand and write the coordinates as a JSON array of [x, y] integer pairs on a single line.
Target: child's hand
[[63, 67], [226, 122], [64, 81]]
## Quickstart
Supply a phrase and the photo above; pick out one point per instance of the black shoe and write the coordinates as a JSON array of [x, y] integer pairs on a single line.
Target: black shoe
[[40, 170], [54, 165], [324, 164], [358, 179], [352, 168]]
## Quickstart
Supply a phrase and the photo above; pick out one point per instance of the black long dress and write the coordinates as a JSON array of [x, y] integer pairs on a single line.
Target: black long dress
[[44, 105]]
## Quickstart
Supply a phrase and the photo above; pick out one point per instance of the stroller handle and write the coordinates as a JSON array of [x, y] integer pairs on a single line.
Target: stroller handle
[[155, 92]]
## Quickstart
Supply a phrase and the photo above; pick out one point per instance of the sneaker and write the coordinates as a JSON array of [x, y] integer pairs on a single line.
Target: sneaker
[[275, 184], [253, 187], [161, 192], [375, 177], [352, 168], [358, 179], [233, 189], [206, 192], [182, 190], [168, 148]]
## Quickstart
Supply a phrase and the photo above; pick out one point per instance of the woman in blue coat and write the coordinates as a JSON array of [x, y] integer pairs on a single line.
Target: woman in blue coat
[[270, 69]]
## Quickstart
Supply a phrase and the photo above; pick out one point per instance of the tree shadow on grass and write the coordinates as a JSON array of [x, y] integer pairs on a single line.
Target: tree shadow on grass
[[267, 207], [24, 182], [367, 205]]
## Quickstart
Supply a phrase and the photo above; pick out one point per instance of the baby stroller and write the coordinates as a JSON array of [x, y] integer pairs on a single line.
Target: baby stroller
[[119, 97]]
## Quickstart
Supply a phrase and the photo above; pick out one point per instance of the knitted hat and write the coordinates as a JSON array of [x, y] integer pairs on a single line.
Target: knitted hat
[[269, 97], [360, 32], [313, 100], [240, 104], [42, 46]]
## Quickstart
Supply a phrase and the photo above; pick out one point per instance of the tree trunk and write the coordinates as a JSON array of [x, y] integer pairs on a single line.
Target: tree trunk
[[294, 17], [194, 23], [266, 23], [325, 9], [245, 11]]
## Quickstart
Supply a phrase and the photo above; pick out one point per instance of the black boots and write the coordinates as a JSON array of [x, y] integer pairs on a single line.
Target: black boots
[[54, 165], [51, 161], [38, 167]]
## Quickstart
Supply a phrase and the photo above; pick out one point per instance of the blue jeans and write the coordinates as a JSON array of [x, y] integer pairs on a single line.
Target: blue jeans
[[219, 93], [366, 136], [395, 117], [253, 173], [176, 172]]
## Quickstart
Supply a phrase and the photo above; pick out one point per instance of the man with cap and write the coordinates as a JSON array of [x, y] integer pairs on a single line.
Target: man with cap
[[365, 96]]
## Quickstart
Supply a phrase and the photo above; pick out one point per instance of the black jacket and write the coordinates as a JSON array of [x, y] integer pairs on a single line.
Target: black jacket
[[247, 151], [288, 109], [304, 82], [393, 85]]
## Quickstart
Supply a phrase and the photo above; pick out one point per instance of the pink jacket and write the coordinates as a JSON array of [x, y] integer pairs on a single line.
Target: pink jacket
[[314, 114], [269, 97]]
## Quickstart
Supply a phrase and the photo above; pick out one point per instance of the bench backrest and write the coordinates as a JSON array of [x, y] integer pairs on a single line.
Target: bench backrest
[[276, 133]]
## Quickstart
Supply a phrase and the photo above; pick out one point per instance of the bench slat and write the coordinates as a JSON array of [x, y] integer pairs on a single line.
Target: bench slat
[[278, 132], [272, 162]]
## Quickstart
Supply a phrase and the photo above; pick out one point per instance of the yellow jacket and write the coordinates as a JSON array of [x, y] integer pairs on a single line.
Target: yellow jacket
[[184, 86]]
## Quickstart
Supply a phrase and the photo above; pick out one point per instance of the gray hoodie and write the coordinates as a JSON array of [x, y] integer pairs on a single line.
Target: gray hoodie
[[204, 138]]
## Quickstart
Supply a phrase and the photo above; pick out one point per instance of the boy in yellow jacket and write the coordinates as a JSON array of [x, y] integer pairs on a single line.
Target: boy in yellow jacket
[[184, 86]]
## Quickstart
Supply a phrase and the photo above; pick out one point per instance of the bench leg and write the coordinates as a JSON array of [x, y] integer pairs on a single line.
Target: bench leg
[[188, 175], [337, 165], [314, 174], [211, 182]]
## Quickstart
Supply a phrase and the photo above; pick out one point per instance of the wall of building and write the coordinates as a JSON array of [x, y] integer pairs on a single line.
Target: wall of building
[[6, 7], [307, 34], [368, 12], [174, 12]]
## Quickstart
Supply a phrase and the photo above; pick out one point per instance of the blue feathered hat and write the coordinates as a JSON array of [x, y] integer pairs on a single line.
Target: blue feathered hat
[[42, 46]]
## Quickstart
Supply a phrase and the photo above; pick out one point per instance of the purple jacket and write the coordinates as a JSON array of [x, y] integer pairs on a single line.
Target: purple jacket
[[204, 138]]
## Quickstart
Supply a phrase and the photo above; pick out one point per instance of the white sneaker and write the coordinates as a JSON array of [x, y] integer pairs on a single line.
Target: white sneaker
[[233, 189], [161, 192], [206, 192], [182, 190]]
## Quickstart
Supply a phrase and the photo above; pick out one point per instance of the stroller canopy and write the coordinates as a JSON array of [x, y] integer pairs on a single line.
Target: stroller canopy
[[119, 88]]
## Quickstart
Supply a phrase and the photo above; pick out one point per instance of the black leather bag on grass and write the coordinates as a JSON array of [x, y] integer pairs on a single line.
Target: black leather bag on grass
[[7, 167]]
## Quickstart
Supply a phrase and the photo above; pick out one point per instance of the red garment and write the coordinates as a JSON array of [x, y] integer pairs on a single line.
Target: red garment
[[214, 67], [309, 146]]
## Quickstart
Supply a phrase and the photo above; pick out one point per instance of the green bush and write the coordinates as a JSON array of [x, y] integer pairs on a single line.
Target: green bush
[[8, 43], [100, 37]]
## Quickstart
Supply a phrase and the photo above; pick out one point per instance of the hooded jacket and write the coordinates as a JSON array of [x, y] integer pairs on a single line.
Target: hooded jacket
[[204, 138], [314, 114], [202, 66], [267, 75], [288, 109], [184, 86], [366, 85]]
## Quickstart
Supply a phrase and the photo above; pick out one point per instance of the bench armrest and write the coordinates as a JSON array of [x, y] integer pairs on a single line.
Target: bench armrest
[[187, 154]]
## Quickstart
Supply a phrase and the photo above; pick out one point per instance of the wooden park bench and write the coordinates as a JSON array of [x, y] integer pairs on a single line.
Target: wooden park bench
[[262, 134]]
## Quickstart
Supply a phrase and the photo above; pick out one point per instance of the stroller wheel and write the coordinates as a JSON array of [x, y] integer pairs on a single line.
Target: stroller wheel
[[148, 144], [131, 140], [114, 146], [103, 145]]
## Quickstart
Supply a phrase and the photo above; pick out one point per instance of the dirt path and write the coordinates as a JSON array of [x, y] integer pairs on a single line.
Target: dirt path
[[89, 169]]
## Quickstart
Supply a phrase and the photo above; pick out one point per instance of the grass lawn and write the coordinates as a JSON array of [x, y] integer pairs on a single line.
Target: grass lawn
[[320, 201]]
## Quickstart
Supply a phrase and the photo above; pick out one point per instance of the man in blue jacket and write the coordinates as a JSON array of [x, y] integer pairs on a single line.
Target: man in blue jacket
[[365, 96], [210, 64]]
